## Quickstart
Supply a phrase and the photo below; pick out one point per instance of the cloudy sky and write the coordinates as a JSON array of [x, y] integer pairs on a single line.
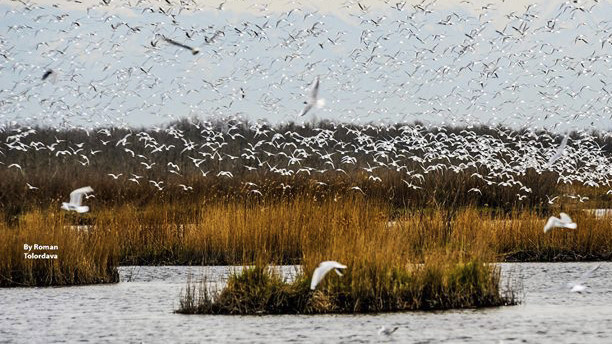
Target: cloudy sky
[[515, 63]]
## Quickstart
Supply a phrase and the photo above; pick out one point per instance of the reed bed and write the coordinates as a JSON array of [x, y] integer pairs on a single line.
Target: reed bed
[[82, 257], [385, 273], [443, 282], [238, 232]]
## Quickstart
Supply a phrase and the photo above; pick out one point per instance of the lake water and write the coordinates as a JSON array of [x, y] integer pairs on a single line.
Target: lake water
[[140, 310]]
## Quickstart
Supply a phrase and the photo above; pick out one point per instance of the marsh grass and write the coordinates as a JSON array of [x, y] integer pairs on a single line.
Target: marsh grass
[[282, 232], [304, 228], [434, 285], [84, 257]]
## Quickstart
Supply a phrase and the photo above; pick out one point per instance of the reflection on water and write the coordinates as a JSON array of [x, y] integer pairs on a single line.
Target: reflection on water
[[140, 309]]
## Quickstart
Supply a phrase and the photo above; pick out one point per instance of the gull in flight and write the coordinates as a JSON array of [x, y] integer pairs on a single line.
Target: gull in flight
[[322, 270], [47, 74], [563, 222], [578, 286], [76, 199], [184, 46], [313, 99], [387, 331], [559, 152]]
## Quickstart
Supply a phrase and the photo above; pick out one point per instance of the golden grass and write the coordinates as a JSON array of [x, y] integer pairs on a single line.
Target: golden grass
[[299, 230], [83, 257], [370, 284], [426, 259]]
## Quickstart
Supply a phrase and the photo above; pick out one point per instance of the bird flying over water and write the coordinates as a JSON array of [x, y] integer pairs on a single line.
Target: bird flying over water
[[386, 331], [76, 199], [578, 286], [322, 270]]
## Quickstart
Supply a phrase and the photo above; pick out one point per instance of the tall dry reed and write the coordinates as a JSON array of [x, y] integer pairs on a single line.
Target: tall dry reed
[[83, 257]]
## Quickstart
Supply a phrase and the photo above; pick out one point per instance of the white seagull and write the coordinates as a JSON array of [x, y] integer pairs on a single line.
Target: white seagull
[[578, 286], [313, 99], [559, 152], [76, 198], [386, 331], [563, 222], [322, 270]]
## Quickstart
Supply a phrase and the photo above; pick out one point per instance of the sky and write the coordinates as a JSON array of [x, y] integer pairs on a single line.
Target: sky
[[539, 64]]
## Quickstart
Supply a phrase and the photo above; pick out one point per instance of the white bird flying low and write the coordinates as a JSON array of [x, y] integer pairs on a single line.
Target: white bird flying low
[[578, 286], [386, 331], [563, 222], [558, 153], [322, 270], [313, 98], [76, 199]]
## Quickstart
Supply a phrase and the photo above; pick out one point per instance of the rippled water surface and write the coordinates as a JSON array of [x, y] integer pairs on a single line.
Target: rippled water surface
[[140, 309]]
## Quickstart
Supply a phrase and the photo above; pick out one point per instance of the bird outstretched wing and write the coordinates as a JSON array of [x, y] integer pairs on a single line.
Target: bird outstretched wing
[[76, 196]]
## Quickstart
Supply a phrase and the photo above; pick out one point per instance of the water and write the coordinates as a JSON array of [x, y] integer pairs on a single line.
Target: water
[[140, 309]]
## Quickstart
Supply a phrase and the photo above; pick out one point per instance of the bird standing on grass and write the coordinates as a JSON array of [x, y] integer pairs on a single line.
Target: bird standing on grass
[[322, 270], [76, 199]]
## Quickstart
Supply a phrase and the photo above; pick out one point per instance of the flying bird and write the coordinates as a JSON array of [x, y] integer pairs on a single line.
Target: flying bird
[[115, 176], [313, 98], [386, 331], [47, 74], [184, 46], [563, 222], [559, 152], [578, 286], [322, 270], [76, 199]]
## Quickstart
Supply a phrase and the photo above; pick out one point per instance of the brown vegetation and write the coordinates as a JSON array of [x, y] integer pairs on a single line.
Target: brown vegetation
[[83, 257]]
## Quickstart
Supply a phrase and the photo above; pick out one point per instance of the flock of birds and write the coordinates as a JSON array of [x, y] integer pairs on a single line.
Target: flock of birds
[[120, 62], [114, 62], [113, 65], [221, 150]]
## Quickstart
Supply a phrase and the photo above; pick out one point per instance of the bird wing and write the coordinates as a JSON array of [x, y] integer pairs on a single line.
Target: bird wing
[[565, 218], [317, 276], [562, 145], [559, 151], [322, 270], [47, 74], [588, 273], [178, 44], [551, 223], [306, 109], [314, 90], [76, 196], [580, 281]]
